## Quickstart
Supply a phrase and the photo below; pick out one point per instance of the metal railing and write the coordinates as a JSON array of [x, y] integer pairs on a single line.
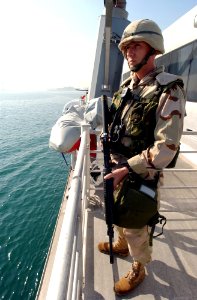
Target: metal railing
[[180, 170], [66, 280]]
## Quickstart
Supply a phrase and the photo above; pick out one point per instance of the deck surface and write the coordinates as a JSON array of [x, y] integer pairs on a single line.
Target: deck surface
[[172, 274]]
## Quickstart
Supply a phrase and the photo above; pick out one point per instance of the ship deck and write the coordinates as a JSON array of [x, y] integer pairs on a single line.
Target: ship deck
[[173, 272]]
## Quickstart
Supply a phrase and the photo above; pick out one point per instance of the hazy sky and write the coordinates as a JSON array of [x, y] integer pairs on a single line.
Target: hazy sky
[[50, 43]]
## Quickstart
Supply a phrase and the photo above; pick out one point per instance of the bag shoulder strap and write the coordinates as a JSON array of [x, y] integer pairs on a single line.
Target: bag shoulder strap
[[157, 218]]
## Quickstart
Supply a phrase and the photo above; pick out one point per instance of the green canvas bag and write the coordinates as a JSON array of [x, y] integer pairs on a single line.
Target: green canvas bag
[[135, 202]]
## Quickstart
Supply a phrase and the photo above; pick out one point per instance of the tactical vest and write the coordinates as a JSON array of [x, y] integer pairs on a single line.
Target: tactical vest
[[137, 134]]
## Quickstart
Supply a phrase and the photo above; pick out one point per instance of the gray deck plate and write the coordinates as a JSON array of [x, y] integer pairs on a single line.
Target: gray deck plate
[[173, 272]]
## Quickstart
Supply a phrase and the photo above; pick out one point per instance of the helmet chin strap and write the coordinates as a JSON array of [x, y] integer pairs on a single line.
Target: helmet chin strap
[[143, 62]]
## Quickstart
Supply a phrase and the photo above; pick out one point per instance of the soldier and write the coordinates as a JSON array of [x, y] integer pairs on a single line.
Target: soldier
[[145, 134]]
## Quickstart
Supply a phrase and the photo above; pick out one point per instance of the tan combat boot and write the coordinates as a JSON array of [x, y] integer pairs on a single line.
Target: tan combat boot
[[131, 280], [120, 247]]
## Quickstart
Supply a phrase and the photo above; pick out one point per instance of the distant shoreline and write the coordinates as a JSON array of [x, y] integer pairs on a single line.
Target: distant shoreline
[[64, 89], [69, 89]]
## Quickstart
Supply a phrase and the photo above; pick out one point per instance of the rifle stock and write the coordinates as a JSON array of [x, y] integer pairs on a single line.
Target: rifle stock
[[108, 184]]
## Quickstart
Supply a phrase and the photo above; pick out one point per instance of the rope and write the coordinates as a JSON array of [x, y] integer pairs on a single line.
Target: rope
[[64, 158]]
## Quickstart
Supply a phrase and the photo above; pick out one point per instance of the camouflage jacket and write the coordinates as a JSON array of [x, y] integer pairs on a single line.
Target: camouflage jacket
[[168, 120]]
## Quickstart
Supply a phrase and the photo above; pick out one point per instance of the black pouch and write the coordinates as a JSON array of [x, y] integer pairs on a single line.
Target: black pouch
[[135, 202]]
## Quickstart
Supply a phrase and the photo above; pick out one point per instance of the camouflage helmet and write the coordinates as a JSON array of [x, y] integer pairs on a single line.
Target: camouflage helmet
[[143, 30]]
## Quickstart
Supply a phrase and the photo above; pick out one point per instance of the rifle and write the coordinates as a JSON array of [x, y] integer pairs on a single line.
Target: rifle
[[108, 184]]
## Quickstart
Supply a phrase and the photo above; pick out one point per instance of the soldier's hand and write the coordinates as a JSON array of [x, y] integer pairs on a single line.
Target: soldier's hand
[[117, 175]]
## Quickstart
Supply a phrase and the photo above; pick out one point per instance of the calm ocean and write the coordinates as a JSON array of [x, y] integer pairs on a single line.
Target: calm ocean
[[32, 180]]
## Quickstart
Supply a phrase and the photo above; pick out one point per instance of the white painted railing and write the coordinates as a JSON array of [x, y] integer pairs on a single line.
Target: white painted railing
[[178, 170], [67, 273]]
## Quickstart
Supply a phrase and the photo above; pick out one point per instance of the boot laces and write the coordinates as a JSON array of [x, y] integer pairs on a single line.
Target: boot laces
[[134, 272]]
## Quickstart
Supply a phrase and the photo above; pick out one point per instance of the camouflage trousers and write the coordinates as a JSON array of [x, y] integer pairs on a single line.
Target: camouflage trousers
[[138, 241]]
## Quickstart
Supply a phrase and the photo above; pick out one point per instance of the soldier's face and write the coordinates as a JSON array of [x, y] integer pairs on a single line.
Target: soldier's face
[[135, 52]]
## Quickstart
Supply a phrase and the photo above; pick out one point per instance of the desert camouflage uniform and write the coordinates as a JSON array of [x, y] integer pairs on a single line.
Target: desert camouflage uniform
[[169, 126]]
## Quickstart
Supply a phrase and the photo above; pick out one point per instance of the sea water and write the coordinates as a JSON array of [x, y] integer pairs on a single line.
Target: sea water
[[32, 181]]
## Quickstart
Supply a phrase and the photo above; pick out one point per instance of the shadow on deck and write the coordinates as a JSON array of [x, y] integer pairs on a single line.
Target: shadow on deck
[[173, 272]]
